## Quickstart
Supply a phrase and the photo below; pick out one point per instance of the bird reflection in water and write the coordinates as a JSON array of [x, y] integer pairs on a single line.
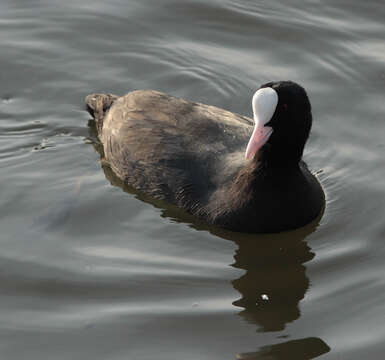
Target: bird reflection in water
[[274, 281], [272, 286]]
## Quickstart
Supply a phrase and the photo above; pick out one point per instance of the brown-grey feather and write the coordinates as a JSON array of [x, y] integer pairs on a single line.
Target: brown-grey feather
[[172, 148]]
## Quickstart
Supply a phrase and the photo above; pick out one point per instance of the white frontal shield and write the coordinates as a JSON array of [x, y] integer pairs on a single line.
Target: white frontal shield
[[264, 102]]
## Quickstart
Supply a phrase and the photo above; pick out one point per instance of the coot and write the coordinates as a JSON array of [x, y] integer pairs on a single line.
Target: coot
[[234, 172]]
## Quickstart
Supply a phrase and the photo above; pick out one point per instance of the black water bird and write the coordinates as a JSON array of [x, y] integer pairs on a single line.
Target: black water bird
[[195, 155]]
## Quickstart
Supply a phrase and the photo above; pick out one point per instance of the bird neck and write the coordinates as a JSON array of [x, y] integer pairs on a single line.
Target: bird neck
[[284, 157]]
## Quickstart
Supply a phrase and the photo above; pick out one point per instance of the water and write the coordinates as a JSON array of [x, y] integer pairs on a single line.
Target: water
[[89, 271]]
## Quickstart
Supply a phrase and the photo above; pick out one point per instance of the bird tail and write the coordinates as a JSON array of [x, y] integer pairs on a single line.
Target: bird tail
[[97, 105]]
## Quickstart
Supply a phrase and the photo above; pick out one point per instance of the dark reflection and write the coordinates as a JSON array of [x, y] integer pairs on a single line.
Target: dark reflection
[[303, 349], [274, 281]]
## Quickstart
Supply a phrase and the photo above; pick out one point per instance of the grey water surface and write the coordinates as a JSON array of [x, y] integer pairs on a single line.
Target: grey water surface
[[89, 269]]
